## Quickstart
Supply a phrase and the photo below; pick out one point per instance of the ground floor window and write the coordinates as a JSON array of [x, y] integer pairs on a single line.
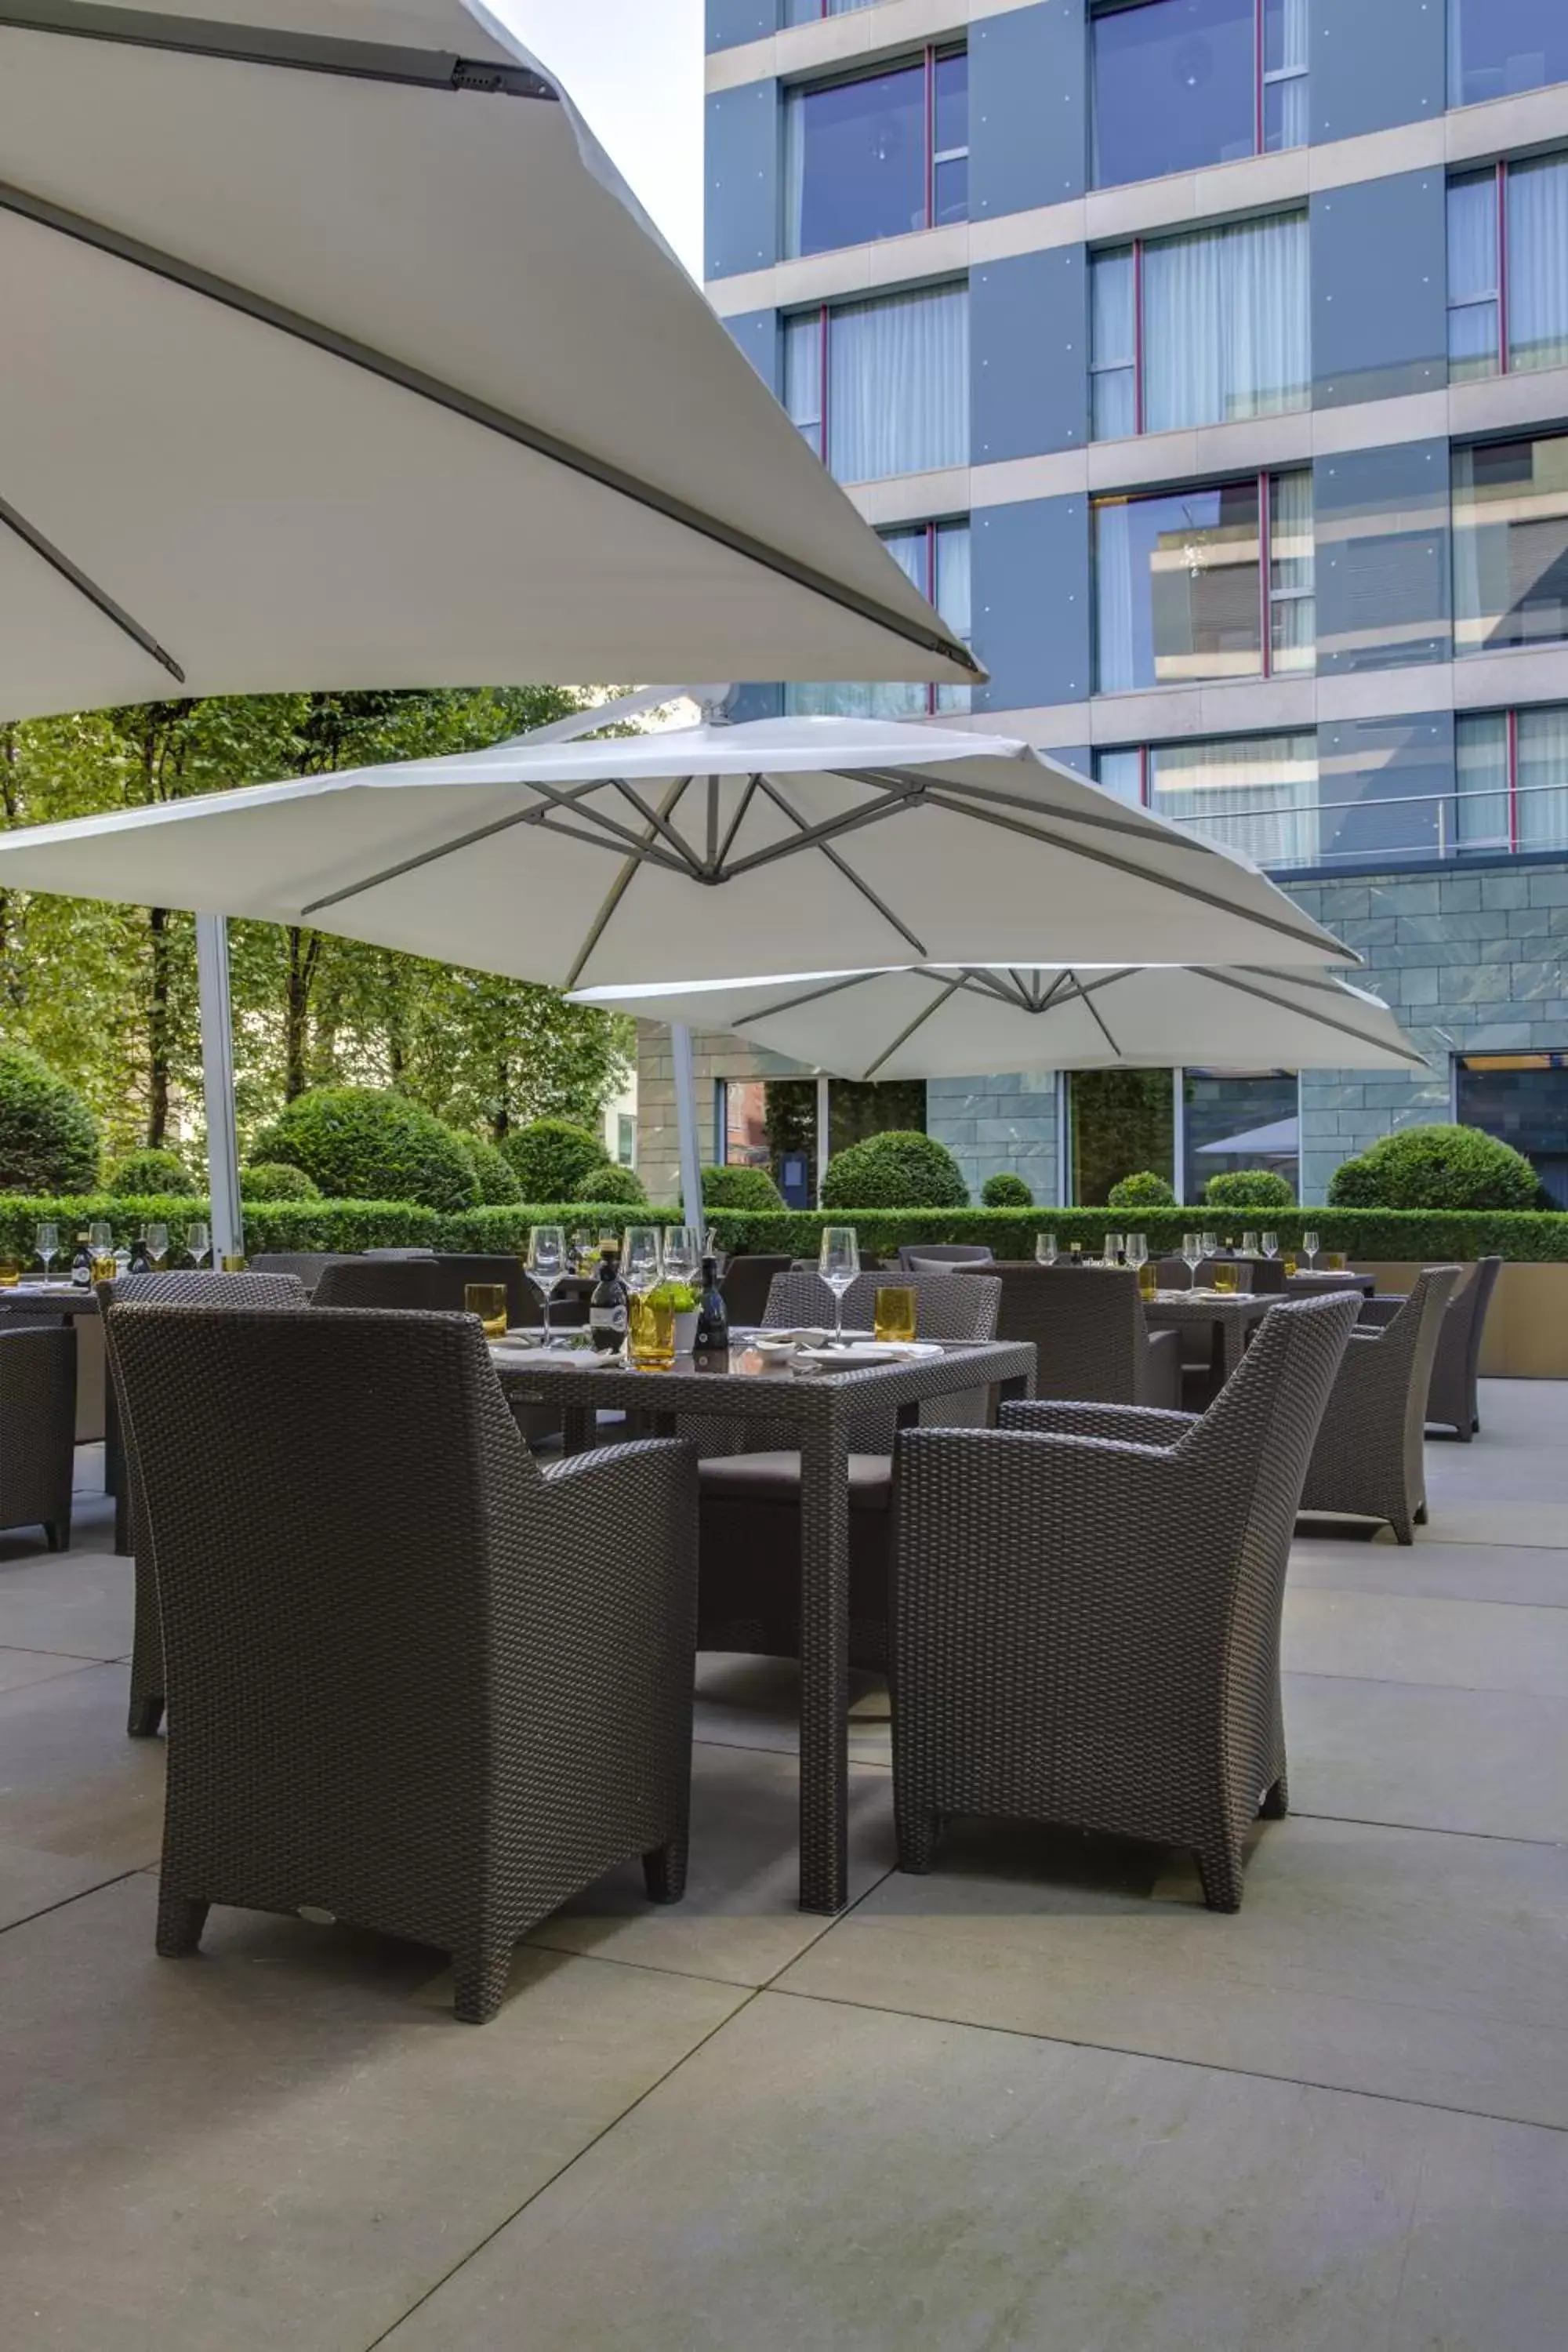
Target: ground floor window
[[772, 1123], [1522, 1098], [1118, 1123], [1234, 1119], [1184, 1125]]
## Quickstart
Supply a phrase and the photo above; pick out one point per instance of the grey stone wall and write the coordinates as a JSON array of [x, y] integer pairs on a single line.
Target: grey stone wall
[[713, 1056]]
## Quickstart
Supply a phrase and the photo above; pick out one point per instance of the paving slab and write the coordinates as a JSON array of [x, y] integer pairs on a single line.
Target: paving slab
[[1490, 1763], [1499, 1574], [79, 1602], [746, 1701], [741, 1917], [71, 1783], [20, 1668], [1409, 1963], [1408, 1637], [31, 1881], [278, 2145], [816, 2177]]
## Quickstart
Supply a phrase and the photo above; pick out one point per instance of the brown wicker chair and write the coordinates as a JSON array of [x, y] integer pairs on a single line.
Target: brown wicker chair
[[198, 1289], [1452, 1400], [306, 1266], [38, 1428], [745, 1285], [1086, 1609], [415, 1681], [1092, 1341], [921, 1257], [748, 1594], [1370, 1458]]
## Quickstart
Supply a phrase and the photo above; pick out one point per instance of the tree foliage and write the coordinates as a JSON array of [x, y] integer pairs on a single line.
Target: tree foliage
[[366, 1143], [49, 1137], [141, 1172], [1005, 1190], [740, 1188], [549, 1157]]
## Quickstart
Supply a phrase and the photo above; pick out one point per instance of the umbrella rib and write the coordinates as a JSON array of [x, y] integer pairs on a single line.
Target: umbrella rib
[[621, 885], [848, 872], [59, 561], [483, 833], [484, 413], [1324, 1020], [978, 981], [1140, 874], [692, 865], [254, 45], [813, 996], [812, 836], [1090, 818], [1097, 1018], [747, 797], [906, 1034]]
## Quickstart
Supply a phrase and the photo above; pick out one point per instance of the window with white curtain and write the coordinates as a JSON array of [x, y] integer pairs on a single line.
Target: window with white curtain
[[1181, 594], [1257, 794], [1510, 543], [935, 555], [882, 387], [1513, 779], [1178, 84], [1204, 329], [1507, 268]]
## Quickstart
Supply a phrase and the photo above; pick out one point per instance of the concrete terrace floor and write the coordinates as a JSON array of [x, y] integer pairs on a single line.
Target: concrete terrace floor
[[1040, 2099]]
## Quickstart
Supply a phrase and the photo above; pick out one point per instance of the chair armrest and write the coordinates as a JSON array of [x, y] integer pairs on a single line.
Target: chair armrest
[[1378, 1313], [1130, 1425]]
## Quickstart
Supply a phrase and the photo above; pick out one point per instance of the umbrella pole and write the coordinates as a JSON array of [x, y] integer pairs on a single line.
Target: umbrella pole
[[217, 1086], [686, 1127]]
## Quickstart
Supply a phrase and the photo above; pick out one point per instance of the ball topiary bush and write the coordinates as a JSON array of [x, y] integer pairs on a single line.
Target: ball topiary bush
[[1143, 1191], [1435, 1168], [609, 1182], [899, 1170], [1248, 1188], [550, 1156], [274, 1179], [498, 1187], [1005, 1190], [143, 1173], [740, 1188], [366, 1143], [49, 1137]]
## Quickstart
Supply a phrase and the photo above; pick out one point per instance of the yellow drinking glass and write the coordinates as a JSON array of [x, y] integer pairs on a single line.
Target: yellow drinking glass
[[1222, 1281], [488, 1301], [237, 1265], [1290, 1267], [1334, 1260], [652, 1335], [10, 1273], [104, 1268], [894, 1315], [1148, 1280]]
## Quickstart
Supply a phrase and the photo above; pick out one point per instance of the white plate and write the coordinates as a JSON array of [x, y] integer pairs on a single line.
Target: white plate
[[867, 1351]]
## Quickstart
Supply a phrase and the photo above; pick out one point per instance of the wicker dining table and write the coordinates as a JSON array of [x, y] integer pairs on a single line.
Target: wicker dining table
[[1233, 1316], [817, 1409]]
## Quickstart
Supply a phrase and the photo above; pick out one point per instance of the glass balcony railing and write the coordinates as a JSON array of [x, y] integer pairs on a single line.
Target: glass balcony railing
[[1393, 830]]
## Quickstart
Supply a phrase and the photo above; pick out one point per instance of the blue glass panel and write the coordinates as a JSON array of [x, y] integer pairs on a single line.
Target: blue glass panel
[[857, 161], [1175, 88], [1510, 544], [1176, 588], [1498, 47]]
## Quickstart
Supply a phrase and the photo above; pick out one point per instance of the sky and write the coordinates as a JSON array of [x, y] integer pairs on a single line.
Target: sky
[[634, 69]]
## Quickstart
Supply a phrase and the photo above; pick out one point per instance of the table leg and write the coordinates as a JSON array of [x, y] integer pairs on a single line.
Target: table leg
[[825, 1667], [1018, 1392]]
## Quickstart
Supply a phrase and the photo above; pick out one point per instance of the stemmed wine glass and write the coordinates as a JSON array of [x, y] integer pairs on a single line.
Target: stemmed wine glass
[[547, 1264], [642, 1266], [1192, 1257], [1270, 1245], [1249, 1245], [682, 1254], [1310, 1250], [199, 1241], [1111, 1249], [155, 1241], [1045, 1249], [1211, 1245], [1135, 1249], [46, 1241], [838, 1264]]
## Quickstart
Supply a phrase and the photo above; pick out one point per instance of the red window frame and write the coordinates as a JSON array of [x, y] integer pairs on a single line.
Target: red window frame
[[1264, 481]]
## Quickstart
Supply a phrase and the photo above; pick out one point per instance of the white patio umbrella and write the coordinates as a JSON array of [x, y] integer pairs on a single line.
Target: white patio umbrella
[[699, 853], [930, 1023]]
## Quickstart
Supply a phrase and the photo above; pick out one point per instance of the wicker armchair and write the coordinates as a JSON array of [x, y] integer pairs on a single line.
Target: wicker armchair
[[1369, 1459], [1093, 1342], [1452, 1400], [748, 1593], [38, 1428], [746, 1284], [1086, 1609], [196, 1289], [921, 1257], [476, 1673], [307, 1266]]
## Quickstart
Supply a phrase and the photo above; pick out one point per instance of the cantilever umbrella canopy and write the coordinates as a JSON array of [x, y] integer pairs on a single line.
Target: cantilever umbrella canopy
[[338, 355], [929, 1023]]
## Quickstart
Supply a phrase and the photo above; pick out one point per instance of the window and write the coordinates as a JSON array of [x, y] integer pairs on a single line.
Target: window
[[1204, 328], [1182, 83], [878, 155], [1233, 1119], [1513, 779], [1510, 543], [806, 12], [1507, 268], [1522, 1099], [625, 1139], [740, 1117], [1118, 1123], [1498, 47], [1257, 794], [1179, 584], [882, 387], [936, 557]]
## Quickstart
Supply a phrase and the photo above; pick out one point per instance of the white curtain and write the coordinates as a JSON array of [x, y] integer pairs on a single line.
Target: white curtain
[[1115, 660], [1285, 50], [953, 600], [1113, 341], [1543, 778], [1480, 754], [1121, 774], [898, 385], [1472, 275], [1293, 608], [1538, 263], [1472, 613], [803, 374], [1225, 326], [1254, 793]]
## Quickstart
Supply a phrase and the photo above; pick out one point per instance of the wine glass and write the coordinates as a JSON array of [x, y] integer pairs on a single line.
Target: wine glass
[[643, 1262], [682, 1254], [1211, 1245], [1249, 1245], [1111, 1248], [1192, 1257], [156, 1242], [1135, 1249], [1310, 1250], [199, 1241], [547, 1264], [1045, 1249], [1271, 1245], [46, 1241], [838, 1264]]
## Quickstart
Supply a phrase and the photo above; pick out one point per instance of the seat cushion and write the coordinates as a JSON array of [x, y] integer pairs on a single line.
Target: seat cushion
[[775, 1478]]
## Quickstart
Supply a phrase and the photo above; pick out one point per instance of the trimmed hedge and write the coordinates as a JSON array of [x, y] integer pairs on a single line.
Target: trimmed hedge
[[549, 1157], [900, 1168], [366, 1143], [610, 1181], [274, 1179], [1143, 1191], [1005, 1190], [150, 1172], [49, 1137], [1248, 1188], [740, 1188], [1437, 1167]]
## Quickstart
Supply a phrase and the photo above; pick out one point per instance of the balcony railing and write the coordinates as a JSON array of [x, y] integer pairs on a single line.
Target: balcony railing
[[1393, 829]]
